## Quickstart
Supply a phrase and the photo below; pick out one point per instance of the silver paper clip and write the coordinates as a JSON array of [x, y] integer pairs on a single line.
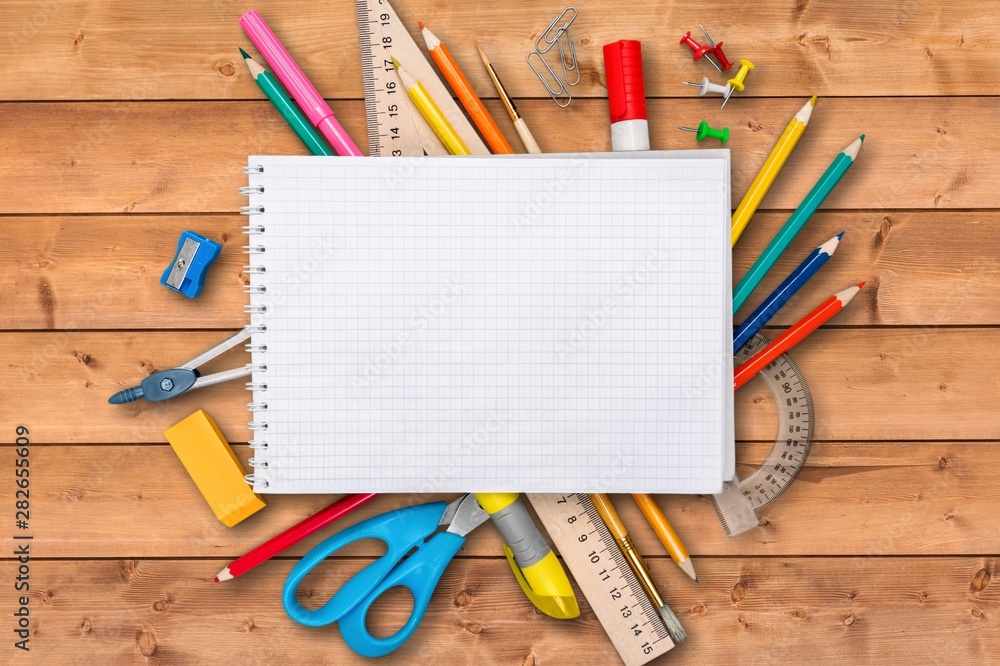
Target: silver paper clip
[[556, 34]]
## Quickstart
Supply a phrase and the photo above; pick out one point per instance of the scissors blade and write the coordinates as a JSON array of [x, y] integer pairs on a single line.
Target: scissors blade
[[464, 515]]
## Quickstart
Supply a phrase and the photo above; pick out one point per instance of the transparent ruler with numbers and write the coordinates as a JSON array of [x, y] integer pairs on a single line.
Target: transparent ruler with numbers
[[600, 569]]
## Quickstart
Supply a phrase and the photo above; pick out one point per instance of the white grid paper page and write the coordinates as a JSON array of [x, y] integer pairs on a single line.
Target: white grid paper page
[[545, 324]]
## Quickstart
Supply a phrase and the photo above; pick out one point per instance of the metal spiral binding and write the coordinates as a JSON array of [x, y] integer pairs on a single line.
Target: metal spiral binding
[[255, 407]]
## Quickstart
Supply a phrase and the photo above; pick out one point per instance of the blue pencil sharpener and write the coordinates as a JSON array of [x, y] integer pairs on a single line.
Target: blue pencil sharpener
[[186, 273]]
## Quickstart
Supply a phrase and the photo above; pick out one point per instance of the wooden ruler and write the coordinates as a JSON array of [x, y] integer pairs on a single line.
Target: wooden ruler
[[592, 554], [395, 127]]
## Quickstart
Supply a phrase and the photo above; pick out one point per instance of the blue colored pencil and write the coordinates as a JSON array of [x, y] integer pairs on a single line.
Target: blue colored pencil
[[841, 163], [809, 267]]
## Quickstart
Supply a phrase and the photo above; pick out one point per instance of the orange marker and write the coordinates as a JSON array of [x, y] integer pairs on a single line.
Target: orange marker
[[794, 335], [466, 95]]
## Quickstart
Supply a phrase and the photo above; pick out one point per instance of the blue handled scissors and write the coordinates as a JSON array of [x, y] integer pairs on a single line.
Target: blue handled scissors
[[401, 530]]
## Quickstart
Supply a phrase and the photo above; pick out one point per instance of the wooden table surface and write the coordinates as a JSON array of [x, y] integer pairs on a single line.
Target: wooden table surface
[[124, 123]]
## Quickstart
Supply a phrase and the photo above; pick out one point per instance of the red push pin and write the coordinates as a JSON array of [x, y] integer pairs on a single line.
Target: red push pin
[[697, 49], [716, 51]]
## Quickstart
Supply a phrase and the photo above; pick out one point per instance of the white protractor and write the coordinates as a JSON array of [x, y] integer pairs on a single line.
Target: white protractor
[[740, 500]]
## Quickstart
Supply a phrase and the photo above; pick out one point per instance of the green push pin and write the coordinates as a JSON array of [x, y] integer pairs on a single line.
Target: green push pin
[[705, 131]]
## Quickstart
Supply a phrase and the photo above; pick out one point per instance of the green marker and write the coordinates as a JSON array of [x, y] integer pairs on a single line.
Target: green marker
[[794, 225], [287, 107], [705, 131]]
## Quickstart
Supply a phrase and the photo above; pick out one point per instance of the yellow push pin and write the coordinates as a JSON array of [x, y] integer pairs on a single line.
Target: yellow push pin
[[736, 83]]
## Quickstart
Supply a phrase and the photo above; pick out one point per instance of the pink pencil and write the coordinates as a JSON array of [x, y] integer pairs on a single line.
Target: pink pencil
[[312, 103]]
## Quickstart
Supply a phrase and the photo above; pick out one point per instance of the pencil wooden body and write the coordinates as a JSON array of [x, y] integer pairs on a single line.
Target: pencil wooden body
[[466, 94], [431, 112], [795, 334], [771, 168], [665, 532], [293, 535]]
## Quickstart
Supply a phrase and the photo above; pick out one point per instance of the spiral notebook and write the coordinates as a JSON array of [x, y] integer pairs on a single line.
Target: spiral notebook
[[557, 323]]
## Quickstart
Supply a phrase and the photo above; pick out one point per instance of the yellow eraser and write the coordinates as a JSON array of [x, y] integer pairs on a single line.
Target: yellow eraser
[[214, 467]]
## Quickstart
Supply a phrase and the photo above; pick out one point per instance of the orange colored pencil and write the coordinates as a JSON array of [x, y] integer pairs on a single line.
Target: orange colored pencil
[[466, 95], [795, 334]]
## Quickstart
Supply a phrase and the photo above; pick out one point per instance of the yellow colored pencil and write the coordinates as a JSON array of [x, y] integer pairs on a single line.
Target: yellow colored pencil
[[431, 112], [665, 532], [772, 167]]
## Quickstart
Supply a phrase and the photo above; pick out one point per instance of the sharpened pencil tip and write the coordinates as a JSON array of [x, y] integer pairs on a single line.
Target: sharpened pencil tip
[[812, 100], [421, 24], [687, 567], [840, 236], [862, 137], [395, 63], [862, 284], [246, 56]]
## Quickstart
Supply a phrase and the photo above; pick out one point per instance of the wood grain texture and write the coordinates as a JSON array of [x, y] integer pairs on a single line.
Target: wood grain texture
[[63, 50], [147, 157], [103, 272], [935, 498], [127, 122], [895, 384], [860, 611]]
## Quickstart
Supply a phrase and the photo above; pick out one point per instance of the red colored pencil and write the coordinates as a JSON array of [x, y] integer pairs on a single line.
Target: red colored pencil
[[794, 335], [293, 535]]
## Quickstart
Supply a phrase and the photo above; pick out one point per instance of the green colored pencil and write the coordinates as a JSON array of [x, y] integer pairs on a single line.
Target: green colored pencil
[[841, 163], [287, 107]]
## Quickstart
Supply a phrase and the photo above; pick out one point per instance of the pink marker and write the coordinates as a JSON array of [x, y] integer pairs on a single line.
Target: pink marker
[[312, 103]]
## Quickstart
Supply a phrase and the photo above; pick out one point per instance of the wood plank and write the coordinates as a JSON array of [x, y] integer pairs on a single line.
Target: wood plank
[[899, 384], [926, 267], [860, 611], [62, 51], [936, 498], [187, 156], [104, 272]]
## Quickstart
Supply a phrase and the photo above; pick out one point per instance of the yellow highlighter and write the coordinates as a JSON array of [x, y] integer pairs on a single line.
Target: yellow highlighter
[[772, 166], [535, 565], [430, 111]]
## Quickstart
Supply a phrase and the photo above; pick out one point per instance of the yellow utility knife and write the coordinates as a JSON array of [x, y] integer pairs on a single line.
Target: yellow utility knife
[[535, 565]]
